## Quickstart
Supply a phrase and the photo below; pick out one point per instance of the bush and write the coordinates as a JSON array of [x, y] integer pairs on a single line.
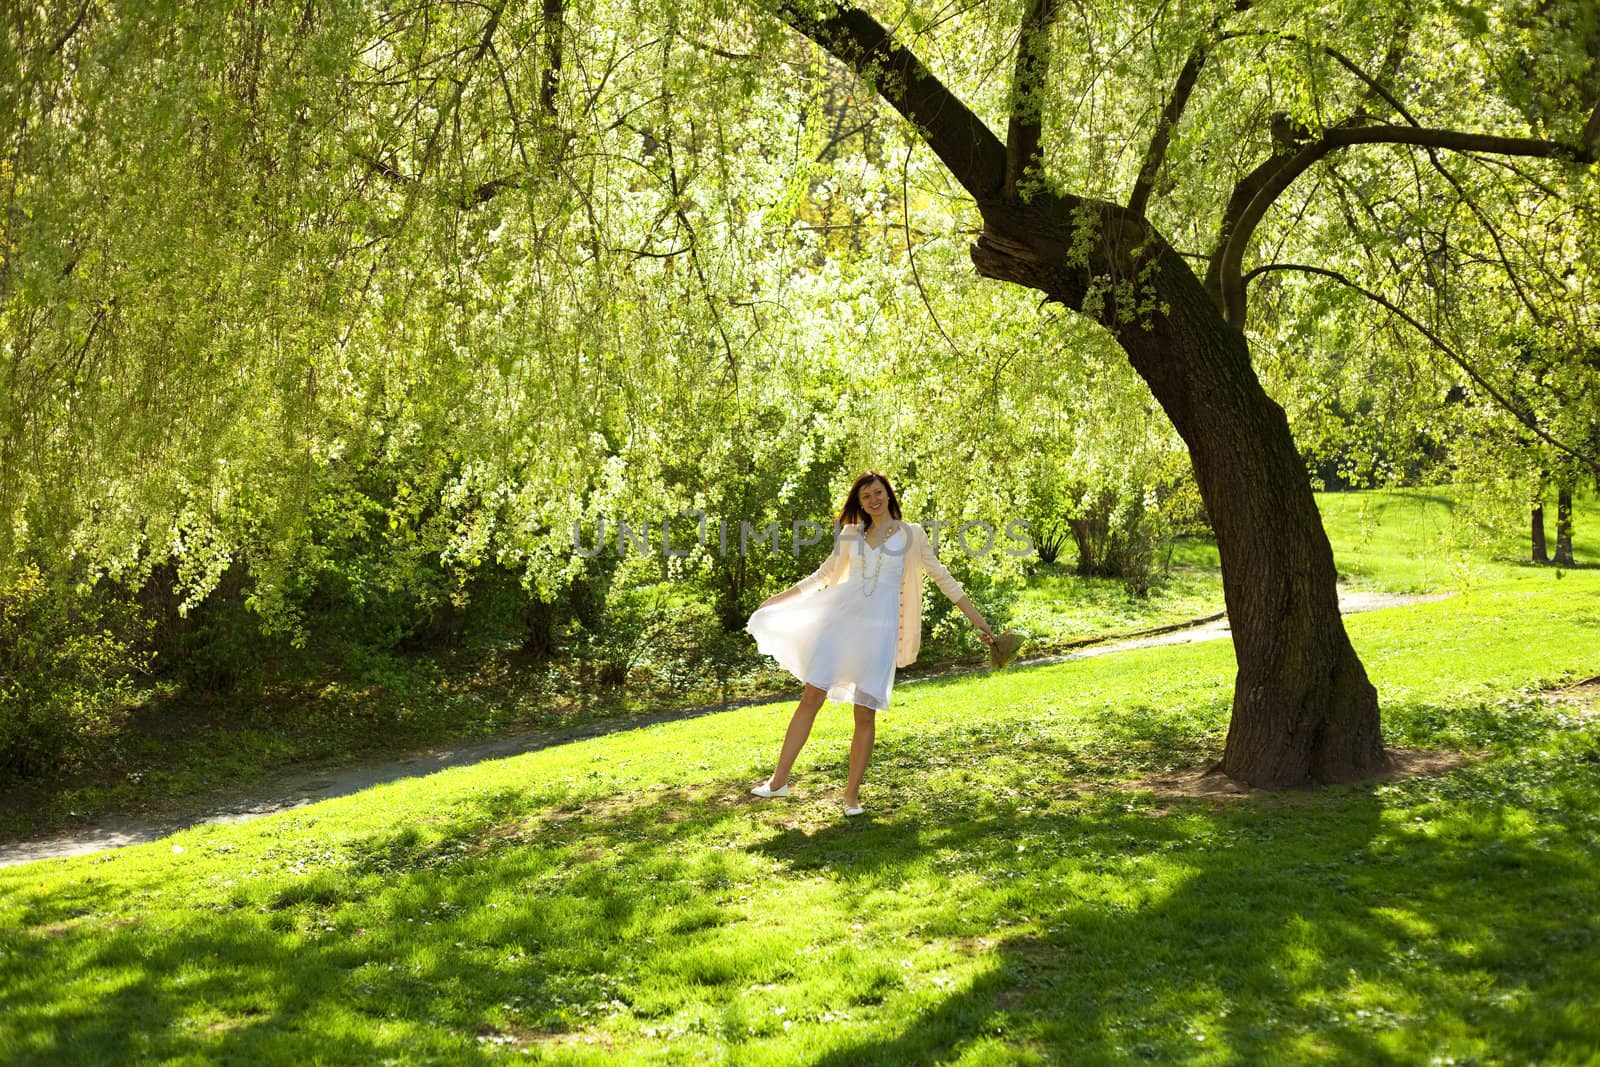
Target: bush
[[948, 631], [659, 636], [67, 662], [1116, 537], [691, 649], [614, 645], [1119, 522]]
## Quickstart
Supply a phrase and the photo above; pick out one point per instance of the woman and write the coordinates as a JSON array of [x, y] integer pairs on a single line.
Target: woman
[[845, 641]]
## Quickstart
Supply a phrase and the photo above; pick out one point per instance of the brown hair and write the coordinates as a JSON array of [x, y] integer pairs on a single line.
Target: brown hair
[[854, 512]]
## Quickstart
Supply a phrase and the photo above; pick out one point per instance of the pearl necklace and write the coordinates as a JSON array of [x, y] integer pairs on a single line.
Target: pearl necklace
[[869, 582]]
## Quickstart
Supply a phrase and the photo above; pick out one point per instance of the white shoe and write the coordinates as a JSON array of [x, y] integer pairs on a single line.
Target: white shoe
[[853, 812], [767, 794]]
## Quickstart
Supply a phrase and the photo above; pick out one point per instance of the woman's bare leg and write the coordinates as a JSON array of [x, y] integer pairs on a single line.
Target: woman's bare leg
[[795, 739], [860, 753]]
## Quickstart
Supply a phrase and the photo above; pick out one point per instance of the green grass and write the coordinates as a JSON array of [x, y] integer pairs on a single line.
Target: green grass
[[179, 748], [1424, 540], [1058, 607], [1392, 541], [1015, 896]]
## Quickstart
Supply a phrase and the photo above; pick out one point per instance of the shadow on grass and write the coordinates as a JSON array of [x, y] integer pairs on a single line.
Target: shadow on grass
[[1522, 563], [1285, 942], [1334, 926]]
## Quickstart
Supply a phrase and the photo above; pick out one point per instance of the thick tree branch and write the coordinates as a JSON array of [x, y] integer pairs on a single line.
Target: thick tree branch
[[1244, 192], [1229, 285], [474, 197], [550, 77], [1156, 154], [1521, 412], [1374, 86], [71, 31], [959, 138], [485, 42], [480, 194], [384, 170], [1028, 82], [1287, 140], [488, 190]]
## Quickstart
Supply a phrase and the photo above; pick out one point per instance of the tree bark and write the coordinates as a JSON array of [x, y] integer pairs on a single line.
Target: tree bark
[[1540, 553], [1304, 711], [550, 78], [1026, 125], [1564, 525]]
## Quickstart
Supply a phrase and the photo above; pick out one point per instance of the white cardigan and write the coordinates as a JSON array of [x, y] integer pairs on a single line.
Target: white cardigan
[[919, 557]]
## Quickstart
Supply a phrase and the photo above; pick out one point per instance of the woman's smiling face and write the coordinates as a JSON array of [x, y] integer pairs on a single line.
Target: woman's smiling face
[[875, 499]]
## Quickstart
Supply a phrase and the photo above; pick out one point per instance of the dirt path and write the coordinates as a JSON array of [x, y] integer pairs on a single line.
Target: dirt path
[[1216, 626], [298, 788]]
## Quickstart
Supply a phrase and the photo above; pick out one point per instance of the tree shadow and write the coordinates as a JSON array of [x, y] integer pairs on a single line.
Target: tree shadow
[[1279, 947], [1535, 565], [1267, 927]]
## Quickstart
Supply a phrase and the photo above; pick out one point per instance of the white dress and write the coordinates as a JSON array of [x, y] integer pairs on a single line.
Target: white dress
[[839, 639]]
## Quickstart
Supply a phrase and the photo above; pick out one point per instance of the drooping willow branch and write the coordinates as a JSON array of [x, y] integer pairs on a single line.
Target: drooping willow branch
[[1375, 86], [1521, 412], [1231, 256], [1286, 140]]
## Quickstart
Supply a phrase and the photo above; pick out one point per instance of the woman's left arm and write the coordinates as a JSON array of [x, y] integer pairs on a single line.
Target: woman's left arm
[[950, 587]]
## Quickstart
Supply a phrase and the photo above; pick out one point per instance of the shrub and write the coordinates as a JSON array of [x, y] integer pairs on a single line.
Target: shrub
[[690, 648], [1117, 536], [948, 632], [618, 642], [67, 661]]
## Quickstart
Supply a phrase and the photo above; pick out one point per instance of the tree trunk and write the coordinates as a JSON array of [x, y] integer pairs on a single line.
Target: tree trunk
[[539, 627], [1564, 524], [1540, 554], [1303, 709]]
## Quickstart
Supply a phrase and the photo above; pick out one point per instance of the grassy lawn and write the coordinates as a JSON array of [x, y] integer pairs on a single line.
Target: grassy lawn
[[1391, 541], [1058, 607], [183, 750], [1423, 540], [1015, 894]]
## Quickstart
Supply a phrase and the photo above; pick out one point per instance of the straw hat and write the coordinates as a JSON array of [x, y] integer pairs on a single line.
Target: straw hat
[[1003, 649]]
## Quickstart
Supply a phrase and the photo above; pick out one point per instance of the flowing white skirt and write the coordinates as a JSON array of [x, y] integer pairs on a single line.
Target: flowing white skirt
[[835, 638]]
